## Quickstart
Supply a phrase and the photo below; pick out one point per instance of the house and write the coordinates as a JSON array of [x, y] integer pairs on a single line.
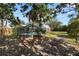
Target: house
[[46, 27]]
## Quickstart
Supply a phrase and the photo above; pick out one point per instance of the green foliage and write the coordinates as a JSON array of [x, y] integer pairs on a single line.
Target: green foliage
[[15, 32], [5, 11], [5, 14], [61, 28], [73, 27], [39, 12], [40, 30], [73, 32]]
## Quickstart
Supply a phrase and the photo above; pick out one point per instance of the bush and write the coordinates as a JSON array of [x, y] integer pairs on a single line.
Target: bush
[[40, 30], [73, 28], [15, 32], [61, 28]]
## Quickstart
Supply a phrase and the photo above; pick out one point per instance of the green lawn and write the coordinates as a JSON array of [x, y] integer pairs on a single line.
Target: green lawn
[[49, 35], [55, 34], [59, 33]]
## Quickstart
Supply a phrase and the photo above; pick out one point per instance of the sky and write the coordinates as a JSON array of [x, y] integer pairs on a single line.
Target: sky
[[64, 17], [60, 17]]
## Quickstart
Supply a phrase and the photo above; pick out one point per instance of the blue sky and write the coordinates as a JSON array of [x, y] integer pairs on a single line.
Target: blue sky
[[64, 17], [60, 17]]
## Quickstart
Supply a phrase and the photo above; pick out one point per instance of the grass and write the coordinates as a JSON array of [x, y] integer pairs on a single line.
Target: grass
[[59, 33], [71, 41], [55, 34], [49, 35]]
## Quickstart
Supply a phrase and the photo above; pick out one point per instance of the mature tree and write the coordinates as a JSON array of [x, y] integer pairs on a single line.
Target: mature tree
[[73, 28], [39, 12], [5, 14]]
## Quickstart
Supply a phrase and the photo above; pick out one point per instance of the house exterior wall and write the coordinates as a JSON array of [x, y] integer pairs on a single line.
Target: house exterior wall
[[46, 27]]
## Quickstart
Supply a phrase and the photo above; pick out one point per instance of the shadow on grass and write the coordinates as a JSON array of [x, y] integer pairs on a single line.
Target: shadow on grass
[[40, 47]]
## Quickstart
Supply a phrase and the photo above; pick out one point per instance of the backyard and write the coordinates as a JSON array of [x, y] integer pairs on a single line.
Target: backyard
[[52, 43], [45, 29]]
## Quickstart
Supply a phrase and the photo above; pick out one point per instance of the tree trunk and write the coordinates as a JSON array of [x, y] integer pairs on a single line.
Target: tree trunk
[[6, 24], [29, 17], [2, 28], [40, 22], [32, 27], [76, 37]]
